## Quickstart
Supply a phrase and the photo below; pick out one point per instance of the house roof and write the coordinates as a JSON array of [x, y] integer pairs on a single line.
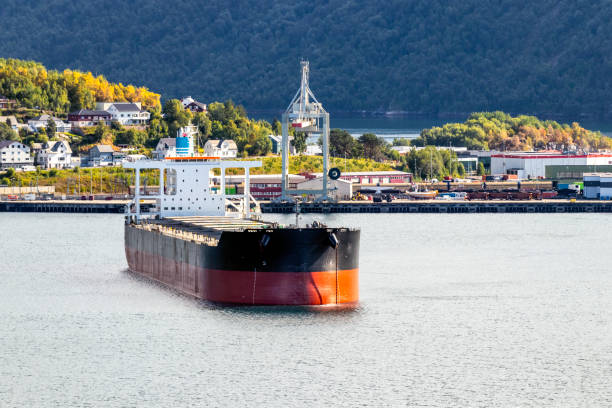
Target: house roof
[[218, 143], [58, 144], [12, 118], [170, 141], [45, 118], [126, 107], [198, 104], [103, 148], [5, 143], [88, 112]]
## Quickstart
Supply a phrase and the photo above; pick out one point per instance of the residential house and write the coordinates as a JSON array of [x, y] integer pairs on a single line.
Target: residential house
[[277, 143], [54, 155], [85, 118], [126, 113], [12, 122], [193, 105], [101, 155], [166, 147], [6, 103], [14, 154], [220, 148], [42, 121]]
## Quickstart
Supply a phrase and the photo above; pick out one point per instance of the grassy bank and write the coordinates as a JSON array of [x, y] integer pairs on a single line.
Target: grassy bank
[[116, 180]]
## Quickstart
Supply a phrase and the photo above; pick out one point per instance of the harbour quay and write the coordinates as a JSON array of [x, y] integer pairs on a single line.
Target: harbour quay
[[65, 206], [440, 206]]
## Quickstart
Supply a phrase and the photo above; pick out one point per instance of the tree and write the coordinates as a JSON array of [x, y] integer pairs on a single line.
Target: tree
[[481, 169], [204, 124], [99, 132], [372, 146], [460, 169], [342, 144], [176, 116], [277, 127], [262, 146], [6, 133], [51, 128], [299, 142]]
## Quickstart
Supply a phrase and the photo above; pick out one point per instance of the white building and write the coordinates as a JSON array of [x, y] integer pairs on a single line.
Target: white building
[[313, 150], [220, 148], [598, 186], [14, 154], [166, 147], [337, 189], [54, 155], [12, 122], [42, 121], [191, 104], [126, 113], [533, 164]]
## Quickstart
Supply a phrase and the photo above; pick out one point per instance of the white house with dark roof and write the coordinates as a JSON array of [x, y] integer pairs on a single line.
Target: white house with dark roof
[[42, 121], [54, 155], [166, 147], [220, 148], [193, 105], [126, 113], [14, 154]]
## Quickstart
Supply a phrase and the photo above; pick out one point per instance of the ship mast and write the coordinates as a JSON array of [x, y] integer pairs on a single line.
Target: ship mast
[[306, 115]]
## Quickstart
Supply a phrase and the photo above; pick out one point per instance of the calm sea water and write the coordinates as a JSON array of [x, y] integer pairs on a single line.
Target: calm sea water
[[393, 127], [474, 310]]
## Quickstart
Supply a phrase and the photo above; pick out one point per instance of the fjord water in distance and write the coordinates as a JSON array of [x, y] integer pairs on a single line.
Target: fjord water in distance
[[487, 310]]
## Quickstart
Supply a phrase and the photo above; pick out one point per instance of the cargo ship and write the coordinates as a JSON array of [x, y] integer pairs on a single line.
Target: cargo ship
[[197, 239]]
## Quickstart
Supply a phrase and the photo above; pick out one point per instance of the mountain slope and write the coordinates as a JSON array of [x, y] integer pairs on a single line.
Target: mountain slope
[[428, 56]]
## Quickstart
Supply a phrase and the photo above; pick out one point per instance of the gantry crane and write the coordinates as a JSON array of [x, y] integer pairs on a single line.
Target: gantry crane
[[305, 114]]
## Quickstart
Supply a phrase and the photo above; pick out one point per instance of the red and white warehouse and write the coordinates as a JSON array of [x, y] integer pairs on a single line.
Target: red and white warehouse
[[533, 164], [374, 177], [268, 187]]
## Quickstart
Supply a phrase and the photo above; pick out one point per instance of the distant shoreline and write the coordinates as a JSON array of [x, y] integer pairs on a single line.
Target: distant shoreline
[[458, 116]]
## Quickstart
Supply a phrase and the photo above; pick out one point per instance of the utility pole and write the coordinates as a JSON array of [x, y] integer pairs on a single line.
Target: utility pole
[[430, 166], [91, 182]]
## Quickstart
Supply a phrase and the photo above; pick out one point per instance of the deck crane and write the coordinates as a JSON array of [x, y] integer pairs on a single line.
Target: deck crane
[[305, 114]]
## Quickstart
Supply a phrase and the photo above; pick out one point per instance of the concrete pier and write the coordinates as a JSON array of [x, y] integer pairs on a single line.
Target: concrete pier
[[65, 206], [439, 206]]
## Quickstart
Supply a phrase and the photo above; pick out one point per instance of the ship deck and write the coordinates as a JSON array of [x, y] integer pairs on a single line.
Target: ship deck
[[205, 230], [210, 223]]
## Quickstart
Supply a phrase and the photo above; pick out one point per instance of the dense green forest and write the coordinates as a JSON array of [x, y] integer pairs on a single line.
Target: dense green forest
[[427, 56]]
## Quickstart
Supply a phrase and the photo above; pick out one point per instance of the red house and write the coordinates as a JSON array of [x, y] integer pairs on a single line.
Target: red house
[[85, 118]]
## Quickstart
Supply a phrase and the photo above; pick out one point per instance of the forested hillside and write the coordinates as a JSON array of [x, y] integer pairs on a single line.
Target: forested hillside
[[32, 85], [428, 56]]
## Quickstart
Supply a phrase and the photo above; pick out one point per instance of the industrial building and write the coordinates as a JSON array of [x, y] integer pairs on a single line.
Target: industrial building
[[532, 165], [338, 189], [374, 177], [598, 186]]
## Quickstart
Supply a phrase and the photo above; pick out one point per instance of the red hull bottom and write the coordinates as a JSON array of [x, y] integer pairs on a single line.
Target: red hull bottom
[[249, 287]]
